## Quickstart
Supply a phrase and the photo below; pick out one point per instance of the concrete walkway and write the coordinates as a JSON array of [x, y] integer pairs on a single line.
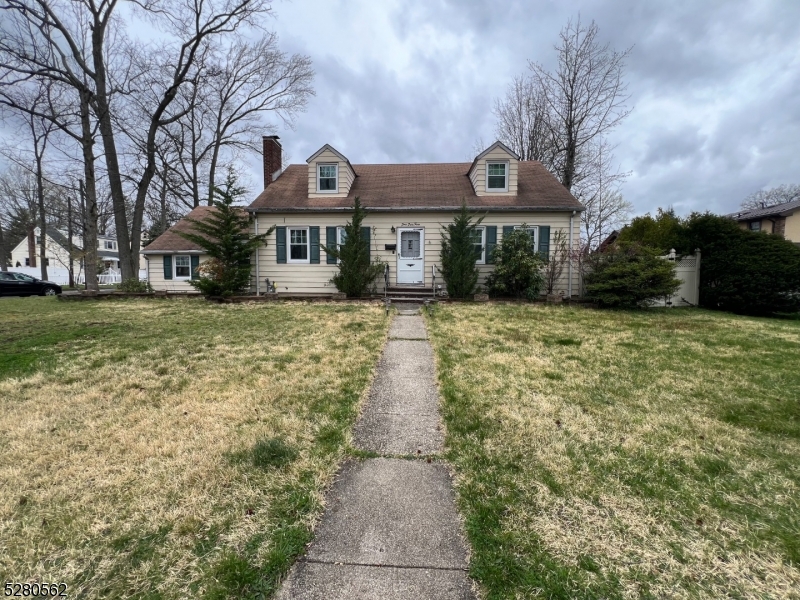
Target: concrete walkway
[[391, 530]]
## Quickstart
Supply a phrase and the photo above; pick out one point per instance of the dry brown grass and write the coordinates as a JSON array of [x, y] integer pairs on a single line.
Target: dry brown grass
[[625, 454], [125, 460]]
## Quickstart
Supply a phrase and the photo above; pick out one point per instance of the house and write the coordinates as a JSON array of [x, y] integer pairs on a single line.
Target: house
[[408, 204], [57, 252], [781, 219]]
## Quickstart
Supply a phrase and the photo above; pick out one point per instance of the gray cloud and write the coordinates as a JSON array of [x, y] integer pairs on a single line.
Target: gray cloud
[[714, 85]]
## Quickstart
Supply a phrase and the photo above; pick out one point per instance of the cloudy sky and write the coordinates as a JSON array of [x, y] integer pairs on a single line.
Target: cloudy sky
[[714, 85]]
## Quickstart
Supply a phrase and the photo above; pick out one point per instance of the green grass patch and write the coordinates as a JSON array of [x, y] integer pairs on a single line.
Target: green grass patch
[[172, 449], [614, 454]]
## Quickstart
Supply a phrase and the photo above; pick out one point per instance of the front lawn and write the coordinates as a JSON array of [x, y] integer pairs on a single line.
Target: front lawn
[[651, 454], [172, 448]]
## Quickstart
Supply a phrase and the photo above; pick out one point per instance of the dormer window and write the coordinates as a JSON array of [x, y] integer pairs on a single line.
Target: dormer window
[[496, 176], [327, 180]]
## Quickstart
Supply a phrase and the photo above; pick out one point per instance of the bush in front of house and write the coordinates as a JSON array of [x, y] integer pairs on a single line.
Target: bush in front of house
[[134, 286], [459, 253], [357, 274], [518, 267], [744, 271], [630, 276], [224, 234]]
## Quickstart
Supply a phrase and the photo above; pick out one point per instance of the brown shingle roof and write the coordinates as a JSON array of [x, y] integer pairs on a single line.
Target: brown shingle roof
[[169, 241], [440, 186]]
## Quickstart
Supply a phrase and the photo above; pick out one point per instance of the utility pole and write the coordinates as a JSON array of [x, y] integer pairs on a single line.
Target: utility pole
[[83, 234], [69, 242]]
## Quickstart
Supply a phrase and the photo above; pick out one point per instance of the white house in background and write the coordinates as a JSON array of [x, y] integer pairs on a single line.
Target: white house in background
[[57, 252], [408, 204]]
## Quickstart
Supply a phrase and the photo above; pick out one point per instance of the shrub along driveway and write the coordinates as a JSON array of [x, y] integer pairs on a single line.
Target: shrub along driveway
[[172, 449], [624, 454]]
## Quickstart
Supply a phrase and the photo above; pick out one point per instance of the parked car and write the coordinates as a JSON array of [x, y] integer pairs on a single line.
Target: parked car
[[19, 284]]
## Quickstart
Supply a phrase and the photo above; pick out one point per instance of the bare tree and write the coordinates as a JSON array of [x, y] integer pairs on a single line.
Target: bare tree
[[585, 97], [559, 257], [18, 206], [235, 87], [524, 122], [772, 196], [70, 42], [599, 191]]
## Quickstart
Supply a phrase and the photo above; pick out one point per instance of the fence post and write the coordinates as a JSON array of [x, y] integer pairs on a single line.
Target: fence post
[[697, 275]]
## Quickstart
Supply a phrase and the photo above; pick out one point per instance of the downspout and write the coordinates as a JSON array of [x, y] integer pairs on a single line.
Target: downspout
[[258, 288], [569, 264]]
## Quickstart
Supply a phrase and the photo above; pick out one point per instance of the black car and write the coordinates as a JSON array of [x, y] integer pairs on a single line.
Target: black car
[[19, 284]]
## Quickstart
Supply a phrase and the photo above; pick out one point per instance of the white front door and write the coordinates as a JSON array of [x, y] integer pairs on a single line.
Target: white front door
[[411, 255]]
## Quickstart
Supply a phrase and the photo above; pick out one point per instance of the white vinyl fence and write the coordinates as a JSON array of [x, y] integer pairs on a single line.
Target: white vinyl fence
[[60, 275], [687, 269]]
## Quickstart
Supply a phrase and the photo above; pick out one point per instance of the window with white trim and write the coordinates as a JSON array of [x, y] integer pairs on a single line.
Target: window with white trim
[[341, 237], [534, 233], [497, 176], [479, 241], [327, 180], [109, 245], [298, 245], [183, 267]]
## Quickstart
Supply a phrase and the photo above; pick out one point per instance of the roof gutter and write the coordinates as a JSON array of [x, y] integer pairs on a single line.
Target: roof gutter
[[171, 252], [323, 209]]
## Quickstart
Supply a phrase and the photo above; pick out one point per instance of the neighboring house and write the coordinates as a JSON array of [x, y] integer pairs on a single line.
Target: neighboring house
[[57, 252], [781, 219], [408, 205]]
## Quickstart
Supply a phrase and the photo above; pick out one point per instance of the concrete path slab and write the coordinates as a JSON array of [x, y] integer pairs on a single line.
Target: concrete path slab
[[394, 512], [402, 411], [391, 530], [408, 327], [323, 581]]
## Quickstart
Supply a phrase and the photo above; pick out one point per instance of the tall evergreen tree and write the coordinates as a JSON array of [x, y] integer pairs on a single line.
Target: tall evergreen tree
[[225, 236], [461, 243], [357, 274]]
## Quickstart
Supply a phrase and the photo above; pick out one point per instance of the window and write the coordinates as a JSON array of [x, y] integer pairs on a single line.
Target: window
[[298, 244], [326, 178], [38, 241], [183, 267], [479, 241], [341, 237], [755, 226], [109, 245], [23, 277], [497, 176], [46, 262], [27, 262], [534, 233]]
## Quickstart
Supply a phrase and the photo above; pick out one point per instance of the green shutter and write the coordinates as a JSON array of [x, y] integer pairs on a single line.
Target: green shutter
[[313, 234], [330, 242], [544, 242], [491, 243], [365, 232], [167, 267], [195, 263], [280, 244]]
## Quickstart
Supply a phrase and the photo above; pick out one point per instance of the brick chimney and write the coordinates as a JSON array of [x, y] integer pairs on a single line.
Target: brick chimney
[[272, 157]]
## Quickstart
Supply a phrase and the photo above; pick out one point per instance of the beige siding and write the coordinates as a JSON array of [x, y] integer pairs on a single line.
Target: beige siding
[[155, 275], [478, 173], [308, 278], [792, 232], [345, 173]]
